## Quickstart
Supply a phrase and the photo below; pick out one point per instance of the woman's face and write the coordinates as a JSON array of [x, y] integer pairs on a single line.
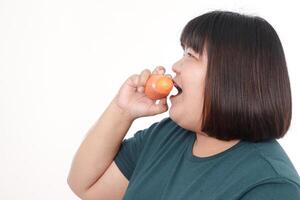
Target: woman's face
[[186, 108]]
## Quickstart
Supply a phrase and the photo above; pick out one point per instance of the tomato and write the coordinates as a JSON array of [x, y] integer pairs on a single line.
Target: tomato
[[158, 86]]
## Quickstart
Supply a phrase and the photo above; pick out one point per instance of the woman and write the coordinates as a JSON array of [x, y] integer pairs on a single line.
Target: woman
[[220, 139]]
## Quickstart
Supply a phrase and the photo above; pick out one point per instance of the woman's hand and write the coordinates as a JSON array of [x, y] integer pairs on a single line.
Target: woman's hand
[[132, 99]]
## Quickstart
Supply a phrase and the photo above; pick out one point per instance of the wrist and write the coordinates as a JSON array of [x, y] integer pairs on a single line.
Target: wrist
[[125, 115]]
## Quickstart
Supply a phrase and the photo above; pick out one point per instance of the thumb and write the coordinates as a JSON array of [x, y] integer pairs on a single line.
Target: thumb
[[162, 106]]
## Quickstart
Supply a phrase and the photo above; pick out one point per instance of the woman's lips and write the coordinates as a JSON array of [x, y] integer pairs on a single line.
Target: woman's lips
[[177, 87], [179, 90]]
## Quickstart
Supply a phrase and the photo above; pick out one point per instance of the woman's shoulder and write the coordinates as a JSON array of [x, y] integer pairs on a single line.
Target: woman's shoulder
[[274, 188], [272, 154]]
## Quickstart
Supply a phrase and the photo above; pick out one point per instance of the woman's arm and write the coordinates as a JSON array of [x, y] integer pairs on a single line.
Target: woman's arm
[[98, 149]]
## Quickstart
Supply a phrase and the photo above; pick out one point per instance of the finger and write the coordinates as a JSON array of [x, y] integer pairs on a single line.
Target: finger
[[163, 102], [134, 80], [159, 70], [140, 89], [158, 108], [162, 105], [169, 75], [145, 74], [143, 77]]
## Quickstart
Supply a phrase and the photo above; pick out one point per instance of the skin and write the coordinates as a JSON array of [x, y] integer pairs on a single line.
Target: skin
[[190, 75]]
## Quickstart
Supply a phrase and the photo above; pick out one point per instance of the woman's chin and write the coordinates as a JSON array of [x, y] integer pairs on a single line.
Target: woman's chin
[[174, 115], [180, 119]]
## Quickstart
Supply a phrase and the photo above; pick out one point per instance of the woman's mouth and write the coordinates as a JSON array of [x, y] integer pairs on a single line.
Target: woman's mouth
[[179, 90]]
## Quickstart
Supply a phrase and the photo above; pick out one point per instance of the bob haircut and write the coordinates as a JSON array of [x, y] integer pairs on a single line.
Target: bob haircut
[[247, 92]]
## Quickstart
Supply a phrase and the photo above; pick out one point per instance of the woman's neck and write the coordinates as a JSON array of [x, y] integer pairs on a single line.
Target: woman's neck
[[205, 145]]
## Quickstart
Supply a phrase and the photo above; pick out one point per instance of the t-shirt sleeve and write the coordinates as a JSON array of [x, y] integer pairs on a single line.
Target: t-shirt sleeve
[[130, 150], [276, 191]]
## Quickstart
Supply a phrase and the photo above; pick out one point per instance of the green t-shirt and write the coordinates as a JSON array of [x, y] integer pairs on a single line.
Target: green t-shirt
[[159, 164]]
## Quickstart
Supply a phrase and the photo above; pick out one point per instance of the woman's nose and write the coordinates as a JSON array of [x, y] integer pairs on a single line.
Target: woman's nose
[[176, 67]]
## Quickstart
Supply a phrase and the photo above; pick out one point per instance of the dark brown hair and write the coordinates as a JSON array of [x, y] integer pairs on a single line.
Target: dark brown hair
[[247, 90]]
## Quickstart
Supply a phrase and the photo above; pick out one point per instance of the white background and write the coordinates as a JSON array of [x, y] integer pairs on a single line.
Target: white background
[[62, 61]]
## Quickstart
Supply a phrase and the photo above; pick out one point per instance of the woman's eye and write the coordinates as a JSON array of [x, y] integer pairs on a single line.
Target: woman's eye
[[188, 54]]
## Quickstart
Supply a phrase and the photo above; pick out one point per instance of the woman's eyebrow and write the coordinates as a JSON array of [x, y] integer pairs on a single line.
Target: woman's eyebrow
[[193, 52], [189, 48]]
